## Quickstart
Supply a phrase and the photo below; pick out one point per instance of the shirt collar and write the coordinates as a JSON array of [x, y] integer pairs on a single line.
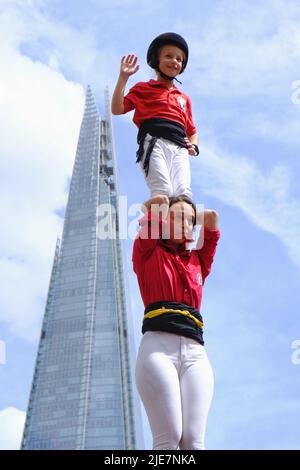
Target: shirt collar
[[163, 84]]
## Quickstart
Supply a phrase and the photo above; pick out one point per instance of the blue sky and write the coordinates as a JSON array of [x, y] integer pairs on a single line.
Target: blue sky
[[242, 79]]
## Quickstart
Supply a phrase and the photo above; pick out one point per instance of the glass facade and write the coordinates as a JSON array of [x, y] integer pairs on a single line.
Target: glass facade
[[81, 395]]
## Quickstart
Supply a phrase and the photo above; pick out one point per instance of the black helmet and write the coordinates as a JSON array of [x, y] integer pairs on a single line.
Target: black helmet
[[162, 40]]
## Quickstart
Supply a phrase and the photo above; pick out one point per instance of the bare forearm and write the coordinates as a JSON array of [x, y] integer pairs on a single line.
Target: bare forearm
[[194, 139], [211, 219], [208, 218], [117, 101]]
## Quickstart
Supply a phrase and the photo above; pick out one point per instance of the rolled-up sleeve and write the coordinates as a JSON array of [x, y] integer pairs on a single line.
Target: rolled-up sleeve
[[146, 240], [207, 252]]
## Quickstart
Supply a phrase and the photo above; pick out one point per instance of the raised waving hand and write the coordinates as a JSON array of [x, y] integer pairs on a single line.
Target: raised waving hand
[[129, 66]]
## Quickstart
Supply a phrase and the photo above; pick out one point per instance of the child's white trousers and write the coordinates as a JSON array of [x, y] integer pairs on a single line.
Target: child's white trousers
[[169, 169]]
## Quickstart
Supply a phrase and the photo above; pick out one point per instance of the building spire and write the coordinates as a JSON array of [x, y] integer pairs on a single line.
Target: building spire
[[90, 104]]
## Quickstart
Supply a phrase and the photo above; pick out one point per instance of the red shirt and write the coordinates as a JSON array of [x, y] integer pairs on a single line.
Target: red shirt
[[168, 275], [154, 99]]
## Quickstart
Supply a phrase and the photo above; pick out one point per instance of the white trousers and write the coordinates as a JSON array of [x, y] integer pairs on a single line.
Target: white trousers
[[175, 381], [169, 169]]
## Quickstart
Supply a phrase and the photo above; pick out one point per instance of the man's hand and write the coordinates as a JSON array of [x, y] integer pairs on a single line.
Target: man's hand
[[208, 218], [128, 66]]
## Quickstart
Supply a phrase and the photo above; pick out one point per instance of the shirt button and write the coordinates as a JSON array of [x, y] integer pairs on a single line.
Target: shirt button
[[185, 290]]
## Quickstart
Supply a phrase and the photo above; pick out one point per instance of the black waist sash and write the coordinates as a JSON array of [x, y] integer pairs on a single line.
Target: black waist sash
[[186, 321], [158, 127]]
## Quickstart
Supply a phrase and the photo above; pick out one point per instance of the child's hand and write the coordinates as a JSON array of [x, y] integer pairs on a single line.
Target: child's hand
[[190, 147], [128, 66]]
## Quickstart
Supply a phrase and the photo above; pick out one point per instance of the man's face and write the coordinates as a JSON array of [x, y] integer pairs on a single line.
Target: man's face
[[180, 223], [171, 60]]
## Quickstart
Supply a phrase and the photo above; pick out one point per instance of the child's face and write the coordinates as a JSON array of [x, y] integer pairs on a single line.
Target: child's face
[[171, 60]]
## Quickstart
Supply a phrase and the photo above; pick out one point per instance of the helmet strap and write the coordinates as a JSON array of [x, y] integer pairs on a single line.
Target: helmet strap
[[167, 77]]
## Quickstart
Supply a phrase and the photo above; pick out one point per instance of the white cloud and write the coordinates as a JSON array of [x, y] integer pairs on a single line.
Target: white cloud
[[264, 198], [244, 59], [40, 116], [282, 127], [12, 423], [74, 51], [244, 49]]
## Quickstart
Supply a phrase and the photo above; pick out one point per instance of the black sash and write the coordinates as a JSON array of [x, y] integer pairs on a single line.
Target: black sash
[[158, 127], [176, 323]]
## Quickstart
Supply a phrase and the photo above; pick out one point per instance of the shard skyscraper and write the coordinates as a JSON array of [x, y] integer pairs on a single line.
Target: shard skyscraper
[[81, 395]]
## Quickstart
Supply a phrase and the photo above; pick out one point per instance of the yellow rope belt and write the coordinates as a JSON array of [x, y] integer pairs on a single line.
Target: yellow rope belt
[[163, 310]]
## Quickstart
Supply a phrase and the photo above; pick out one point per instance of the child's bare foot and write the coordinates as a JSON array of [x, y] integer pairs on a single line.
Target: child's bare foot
[[158, 199]]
